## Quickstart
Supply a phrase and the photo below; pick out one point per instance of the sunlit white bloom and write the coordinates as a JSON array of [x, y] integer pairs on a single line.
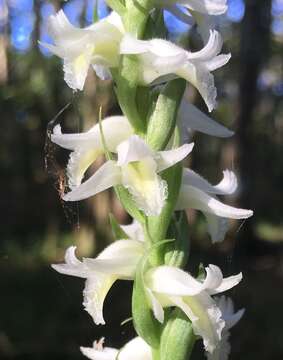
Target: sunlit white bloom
[[170, 286], [117, 261], [231, 318], [197, 193], [136, 349], [86, 147], [137, 168], [160, 59], [96, 45], [191, 118]]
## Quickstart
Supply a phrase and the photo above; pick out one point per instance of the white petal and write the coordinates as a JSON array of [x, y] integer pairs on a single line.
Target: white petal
[[223, 349], [210, 323], [157, 308], [106, 176], [210, 50], [131, 45], [158, 47], [115, 130], [217, 227], [217, 62], [172, 281], [205, 316], [136, 349], [95, 291], [180, 303], [132, 149], [166, 159], [191, 197], [119, 259], [191, 117], [104, 354], [148, 189], [72, 266], [228, 185], [79, 161], [102, 72], [211, 7], [134, 230], [213, 278], [200, 77], [75, 71], [227, 308], [183, 16], [60, 28], [227, 284]]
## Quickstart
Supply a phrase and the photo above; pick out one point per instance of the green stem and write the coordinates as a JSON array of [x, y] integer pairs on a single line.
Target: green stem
[[117, 6]]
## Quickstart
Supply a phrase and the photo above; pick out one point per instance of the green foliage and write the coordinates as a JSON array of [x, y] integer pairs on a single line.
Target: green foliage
[[144, 321], [162, 120], [177, 338]]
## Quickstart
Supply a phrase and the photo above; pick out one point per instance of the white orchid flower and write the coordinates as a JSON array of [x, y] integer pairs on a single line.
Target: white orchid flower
[[117, 261], [86, 147], [231, 318], [136, 349], [137, 169], [96, 45], [169, 286], [197, 193], [191, 118], [160, 58]]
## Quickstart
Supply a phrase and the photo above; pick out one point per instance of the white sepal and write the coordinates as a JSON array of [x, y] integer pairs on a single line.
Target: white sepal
[[168, 158], [115, 130], [211, 7], [136, 349], [191, 118], [228, 185], [172, 281], [105, 177], [134, 230]]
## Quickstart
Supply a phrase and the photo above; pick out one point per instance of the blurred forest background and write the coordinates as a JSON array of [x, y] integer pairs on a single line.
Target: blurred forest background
[[41, 314]]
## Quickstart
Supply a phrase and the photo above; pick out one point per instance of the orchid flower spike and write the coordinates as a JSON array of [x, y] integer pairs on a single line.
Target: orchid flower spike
[[170, 286], [197, 193], [137, 169], [96, 45], [161, 59], [86, 147], [231, 318], [136, 349], [117, 261], [190, 118]]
